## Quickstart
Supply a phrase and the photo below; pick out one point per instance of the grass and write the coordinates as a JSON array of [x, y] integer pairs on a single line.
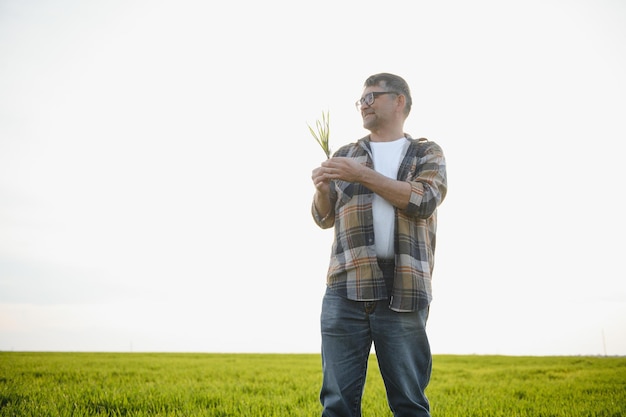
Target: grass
[[265, 385]]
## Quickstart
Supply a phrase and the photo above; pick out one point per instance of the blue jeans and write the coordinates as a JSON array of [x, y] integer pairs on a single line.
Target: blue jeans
[[348, 330]]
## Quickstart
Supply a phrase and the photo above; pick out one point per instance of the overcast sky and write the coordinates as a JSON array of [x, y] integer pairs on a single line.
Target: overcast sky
[[155, 168]]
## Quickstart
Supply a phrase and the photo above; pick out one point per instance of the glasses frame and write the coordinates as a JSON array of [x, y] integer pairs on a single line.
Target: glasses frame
[[370, 97]]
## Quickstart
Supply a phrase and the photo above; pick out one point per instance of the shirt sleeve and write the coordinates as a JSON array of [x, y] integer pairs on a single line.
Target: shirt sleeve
[[324, 222], [428, 181], [328, 221]]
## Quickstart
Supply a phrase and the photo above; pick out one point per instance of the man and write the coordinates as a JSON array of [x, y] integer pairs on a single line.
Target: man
[[381, 195]]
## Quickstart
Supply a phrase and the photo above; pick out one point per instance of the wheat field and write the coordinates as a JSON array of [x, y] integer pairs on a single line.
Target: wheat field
[[266, 385]]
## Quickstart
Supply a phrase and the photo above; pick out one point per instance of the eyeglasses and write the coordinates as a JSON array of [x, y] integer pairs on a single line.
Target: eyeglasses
[[370, 97]]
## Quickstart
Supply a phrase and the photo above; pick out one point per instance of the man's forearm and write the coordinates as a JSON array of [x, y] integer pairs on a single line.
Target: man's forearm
[[395, 192], [322, 204]]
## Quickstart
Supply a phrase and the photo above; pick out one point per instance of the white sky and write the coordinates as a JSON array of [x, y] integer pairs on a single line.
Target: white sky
[[155, 169]]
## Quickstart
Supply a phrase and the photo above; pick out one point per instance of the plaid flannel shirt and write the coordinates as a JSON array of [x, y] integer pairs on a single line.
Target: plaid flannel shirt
[[353, 271]]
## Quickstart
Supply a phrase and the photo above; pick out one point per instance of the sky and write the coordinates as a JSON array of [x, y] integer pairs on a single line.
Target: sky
[[155, 169]]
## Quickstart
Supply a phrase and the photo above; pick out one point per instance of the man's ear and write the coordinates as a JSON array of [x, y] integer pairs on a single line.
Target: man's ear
[[401, 101]]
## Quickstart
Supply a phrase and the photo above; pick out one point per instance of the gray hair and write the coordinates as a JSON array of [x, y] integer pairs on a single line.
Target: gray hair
[[392, 83]]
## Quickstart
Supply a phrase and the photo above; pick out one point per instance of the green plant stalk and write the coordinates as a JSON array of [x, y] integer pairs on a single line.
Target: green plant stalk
[[323, 133]]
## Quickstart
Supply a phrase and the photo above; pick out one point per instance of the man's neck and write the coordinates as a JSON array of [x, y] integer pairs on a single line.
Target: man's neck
[[386, 135]]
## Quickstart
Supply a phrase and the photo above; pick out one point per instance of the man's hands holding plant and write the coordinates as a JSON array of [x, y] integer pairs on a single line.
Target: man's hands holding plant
[[338, 168]]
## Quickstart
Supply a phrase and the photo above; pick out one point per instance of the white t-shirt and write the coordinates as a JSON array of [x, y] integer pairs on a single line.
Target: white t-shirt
[[387, 157]]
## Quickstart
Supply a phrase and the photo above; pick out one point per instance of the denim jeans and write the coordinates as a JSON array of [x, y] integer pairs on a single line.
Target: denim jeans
[[348, 330]]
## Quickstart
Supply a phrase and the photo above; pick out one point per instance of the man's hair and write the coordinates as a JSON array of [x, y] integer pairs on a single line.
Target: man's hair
[[392, 83]]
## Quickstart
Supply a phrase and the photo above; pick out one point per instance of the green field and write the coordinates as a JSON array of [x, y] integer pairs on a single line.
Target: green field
[[265, 385]]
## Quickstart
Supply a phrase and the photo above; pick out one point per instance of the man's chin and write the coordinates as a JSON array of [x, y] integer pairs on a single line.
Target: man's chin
[[368, 126], [368, 122]]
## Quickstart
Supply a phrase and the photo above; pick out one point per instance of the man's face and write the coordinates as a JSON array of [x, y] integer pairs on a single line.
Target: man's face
[[377, 107]]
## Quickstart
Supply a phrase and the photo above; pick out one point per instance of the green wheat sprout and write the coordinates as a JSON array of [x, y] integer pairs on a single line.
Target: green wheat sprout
[[323, 132]]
